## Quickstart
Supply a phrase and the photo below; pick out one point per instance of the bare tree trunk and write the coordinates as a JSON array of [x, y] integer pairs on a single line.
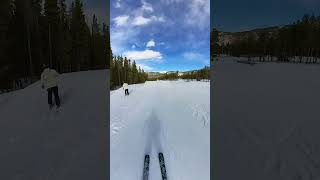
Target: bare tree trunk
[[300, 57], [118, 75], [29, 52], [309, 56], [50, 46], [125, 76]]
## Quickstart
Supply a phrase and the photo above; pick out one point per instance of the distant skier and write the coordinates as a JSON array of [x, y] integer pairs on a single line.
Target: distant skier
[[49, 81], [125, 87]]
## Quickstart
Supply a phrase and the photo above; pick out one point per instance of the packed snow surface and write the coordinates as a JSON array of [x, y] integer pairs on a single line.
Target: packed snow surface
[[266, 121], [172, 117], [37, 143]]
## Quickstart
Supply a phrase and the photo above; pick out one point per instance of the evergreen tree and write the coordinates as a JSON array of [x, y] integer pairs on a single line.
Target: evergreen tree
[[122, 71], [79, 37], [214, 46], [65, 50], [299, 39], [51, 13], [106, 37], [134, 72], [44, 31], [126, 69], [6, 13]]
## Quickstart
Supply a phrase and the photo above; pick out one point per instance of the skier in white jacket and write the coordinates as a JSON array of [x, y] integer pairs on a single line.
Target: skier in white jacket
[[125, 87], [50, 82]]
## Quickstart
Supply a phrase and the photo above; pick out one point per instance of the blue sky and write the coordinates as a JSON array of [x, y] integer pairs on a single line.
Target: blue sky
[[162, 35], [236, 15]]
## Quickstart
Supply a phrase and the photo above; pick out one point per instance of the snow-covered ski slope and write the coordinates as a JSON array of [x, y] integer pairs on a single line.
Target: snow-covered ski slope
[[168, 116], [266, 121], [71, 144]]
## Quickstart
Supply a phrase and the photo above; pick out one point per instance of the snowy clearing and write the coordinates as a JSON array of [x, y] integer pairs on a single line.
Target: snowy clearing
[[40, 144], [266, 121], [168, 116]]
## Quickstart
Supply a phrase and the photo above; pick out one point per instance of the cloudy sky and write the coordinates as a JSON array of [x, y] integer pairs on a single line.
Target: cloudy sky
[[236, 15], [162, 35]]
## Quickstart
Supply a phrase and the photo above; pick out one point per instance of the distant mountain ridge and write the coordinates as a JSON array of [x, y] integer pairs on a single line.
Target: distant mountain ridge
[[229, 37], [160, 74], [276, 43]]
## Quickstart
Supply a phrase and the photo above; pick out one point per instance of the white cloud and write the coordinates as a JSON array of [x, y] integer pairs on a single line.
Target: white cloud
[[146, 7], [118, 4], [143, 55], [121, 36], [140, 20], [199, 13], [121, 20], [171, 1], [151, 43], [159, 19]]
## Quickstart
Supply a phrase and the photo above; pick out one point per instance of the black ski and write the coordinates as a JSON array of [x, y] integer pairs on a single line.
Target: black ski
[[146, 167], [162, 166]]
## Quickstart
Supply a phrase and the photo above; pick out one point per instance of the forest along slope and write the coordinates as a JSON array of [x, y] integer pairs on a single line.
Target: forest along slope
[[266, 121], [172, 117], [70, 144]]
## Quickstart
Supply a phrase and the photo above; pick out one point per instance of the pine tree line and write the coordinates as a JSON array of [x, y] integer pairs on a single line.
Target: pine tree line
[[36, 32], [298, 42], [169, 76], [124, 70], [203, 73], [214, 46]]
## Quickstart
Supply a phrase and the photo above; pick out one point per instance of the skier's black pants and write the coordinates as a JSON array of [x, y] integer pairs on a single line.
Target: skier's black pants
[[55, 92], [126, 92]]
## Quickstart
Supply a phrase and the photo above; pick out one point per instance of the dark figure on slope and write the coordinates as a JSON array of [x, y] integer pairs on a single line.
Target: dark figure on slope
[[49, 80], [125, 87]]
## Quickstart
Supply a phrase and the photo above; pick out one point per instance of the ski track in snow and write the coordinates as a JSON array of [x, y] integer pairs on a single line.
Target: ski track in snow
[[162, 116]]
